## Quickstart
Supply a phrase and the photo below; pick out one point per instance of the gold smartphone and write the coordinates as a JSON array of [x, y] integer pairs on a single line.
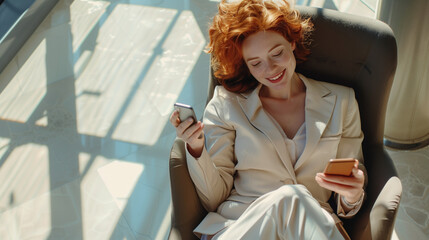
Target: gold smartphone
[[341, 166]]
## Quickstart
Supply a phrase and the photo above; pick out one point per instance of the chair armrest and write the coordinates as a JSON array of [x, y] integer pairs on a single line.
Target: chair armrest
[[383, 213], [187, 210], [385, 192], [377, 216]]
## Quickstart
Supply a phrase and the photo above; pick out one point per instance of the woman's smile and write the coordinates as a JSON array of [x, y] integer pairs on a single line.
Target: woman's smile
[[277, 78]]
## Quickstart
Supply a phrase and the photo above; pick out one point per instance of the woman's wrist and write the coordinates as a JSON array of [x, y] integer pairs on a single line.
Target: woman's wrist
[[353, 204], [195, 151]]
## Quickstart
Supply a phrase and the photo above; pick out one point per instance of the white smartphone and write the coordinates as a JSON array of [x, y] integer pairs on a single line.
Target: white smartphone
[[185, 112]]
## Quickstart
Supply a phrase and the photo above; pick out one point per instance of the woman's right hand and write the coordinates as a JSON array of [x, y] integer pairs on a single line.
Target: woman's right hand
[[191, 133]]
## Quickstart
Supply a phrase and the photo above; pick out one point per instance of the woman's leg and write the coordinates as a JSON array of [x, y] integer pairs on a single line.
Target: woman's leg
[[289, 212]]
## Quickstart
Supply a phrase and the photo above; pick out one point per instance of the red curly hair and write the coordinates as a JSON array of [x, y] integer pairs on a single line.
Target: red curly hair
[[239, 19]]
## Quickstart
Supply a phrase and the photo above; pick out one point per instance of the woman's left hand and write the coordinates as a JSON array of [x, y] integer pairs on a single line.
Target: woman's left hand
[[351, 187]]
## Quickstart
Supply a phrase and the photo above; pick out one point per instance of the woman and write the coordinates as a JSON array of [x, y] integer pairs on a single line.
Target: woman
[[268, 133]]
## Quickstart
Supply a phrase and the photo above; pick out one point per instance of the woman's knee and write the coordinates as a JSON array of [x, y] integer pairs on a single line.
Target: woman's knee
[[291, 196], [290, 191]]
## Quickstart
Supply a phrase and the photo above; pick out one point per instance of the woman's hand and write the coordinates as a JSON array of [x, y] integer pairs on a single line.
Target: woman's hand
[[191, 133], [351, 187]]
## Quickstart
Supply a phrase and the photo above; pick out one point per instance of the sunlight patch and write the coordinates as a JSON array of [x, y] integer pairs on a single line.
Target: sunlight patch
[[149, 110], [120, 179]]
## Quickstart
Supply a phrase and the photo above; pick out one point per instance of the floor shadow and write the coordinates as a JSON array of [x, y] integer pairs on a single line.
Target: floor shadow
[[62, 169]]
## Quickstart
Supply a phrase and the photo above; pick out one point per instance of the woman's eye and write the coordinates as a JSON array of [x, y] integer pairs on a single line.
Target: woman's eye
[[278, 54], [255, 64]]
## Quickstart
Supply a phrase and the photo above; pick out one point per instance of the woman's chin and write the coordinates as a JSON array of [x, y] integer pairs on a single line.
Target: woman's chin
[[279, 85]]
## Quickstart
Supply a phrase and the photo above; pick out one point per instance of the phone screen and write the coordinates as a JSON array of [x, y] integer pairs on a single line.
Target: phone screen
[[185, 111]]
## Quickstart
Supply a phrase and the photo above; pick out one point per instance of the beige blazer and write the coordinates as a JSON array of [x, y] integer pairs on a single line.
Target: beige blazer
[[245, 155]]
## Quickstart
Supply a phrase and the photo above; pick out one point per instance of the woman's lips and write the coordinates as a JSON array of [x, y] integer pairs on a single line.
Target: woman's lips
[[277, 78]]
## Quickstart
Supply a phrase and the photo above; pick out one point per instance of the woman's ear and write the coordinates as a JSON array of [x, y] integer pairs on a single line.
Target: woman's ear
[[293, 45]]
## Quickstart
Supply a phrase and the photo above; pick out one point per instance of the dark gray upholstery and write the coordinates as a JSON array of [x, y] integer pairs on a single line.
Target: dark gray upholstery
[[349, 50]]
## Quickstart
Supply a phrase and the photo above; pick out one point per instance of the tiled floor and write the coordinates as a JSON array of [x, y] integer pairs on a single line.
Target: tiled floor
[[413, 217], [84, 138]]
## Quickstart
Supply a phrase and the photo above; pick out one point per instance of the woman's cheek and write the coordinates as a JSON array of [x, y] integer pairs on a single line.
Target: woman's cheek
[[256, 73]]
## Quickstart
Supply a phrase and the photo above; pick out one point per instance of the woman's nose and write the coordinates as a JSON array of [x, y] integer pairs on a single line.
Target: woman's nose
[[271, 66]]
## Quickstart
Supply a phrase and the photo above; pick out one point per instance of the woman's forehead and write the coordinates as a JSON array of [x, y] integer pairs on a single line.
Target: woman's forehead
[[262, 41]]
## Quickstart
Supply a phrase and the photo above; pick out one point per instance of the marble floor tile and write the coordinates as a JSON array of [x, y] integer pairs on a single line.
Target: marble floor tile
[[81, 209], [413, 216], [139, 190]]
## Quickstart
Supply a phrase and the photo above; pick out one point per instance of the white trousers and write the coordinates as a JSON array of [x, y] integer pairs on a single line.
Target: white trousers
[[289, 212]]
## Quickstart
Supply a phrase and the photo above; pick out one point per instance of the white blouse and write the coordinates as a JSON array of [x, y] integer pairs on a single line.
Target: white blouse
[[296, 145]]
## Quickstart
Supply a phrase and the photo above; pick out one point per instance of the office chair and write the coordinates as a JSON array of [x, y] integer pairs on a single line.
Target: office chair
[[357, 52]]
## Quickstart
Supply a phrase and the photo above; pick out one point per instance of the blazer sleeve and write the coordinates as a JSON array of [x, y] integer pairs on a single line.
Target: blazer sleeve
[[350, 146], [212, 173]]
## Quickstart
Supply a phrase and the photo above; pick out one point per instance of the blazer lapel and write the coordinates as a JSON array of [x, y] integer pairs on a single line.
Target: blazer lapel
[[252, 107], [319, 106]]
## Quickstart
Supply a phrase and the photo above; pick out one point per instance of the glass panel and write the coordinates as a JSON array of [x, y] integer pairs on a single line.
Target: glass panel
[[10, 12]]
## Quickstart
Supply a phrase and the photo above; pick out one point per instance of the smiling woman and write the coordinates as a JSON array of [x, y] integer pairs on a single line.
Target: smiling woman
[[269, 133]]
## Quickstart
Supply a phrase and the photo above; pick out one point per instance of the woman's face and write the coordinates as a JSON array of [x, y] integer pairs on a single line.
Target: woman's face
[[270, 59]]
